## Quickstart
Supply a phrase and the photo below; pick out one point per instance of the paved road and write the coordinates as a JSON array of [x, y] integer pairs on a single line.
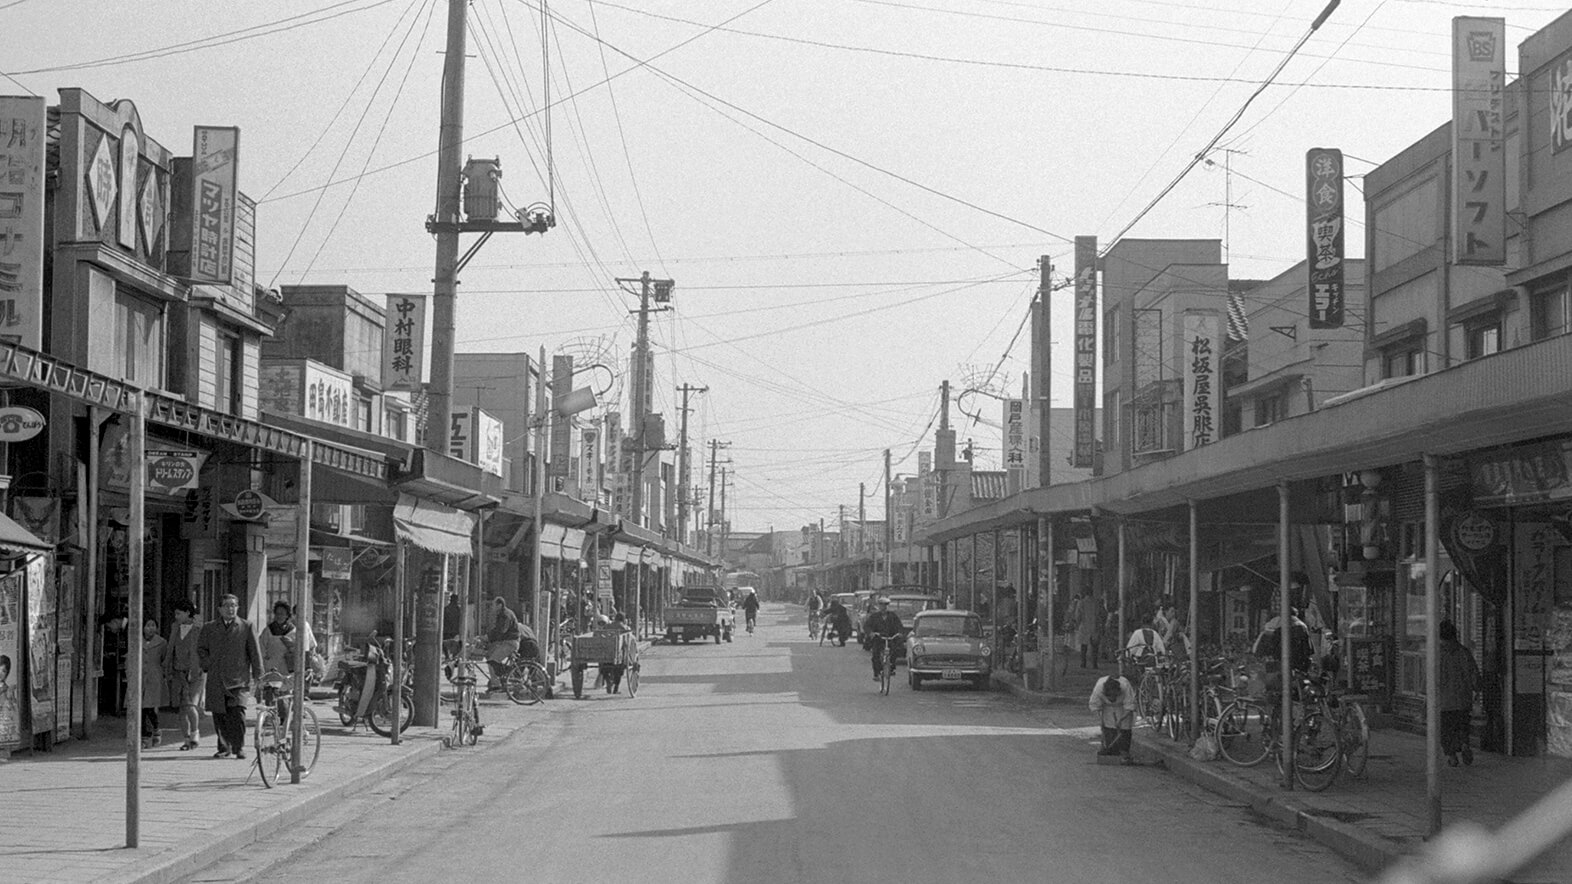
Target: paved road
[[772, 759]]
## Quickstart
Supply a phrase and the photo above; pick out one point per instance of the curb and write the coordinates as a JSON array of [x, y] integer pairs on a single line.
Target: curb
[[183, 860], [1369, 851]]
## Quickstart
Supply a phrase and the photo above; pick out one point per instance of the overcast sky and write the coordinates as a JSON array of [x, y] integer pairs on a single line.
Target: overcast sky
[[852, 195]]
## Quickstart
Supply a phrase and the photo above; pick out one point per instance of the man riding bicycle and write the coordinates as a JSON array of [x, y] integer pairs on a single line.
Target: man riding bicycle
[[882, 622], [502, 639], [750, 608]]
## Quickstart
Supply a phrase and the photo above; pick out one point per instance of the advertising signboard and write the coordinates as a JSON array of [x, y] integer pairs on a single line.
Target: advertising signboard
[[213, 172], [1324, 261], [487, 432], [22, 122], [173, 472], [1479, 140], [403, 342], [1085, 448], [10, 660], [1202, 381]]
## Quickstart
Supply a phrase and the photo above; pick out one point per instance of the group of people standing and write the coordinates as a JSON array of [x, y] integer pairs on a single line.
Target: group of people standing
[[214, 666]]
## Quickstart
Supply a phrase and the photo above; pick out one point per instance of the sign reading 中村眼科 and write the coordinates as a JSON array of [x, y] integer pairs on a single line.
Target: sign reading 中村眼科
[[1324, 261], [1479, 140], [213, 190], [403, 342]]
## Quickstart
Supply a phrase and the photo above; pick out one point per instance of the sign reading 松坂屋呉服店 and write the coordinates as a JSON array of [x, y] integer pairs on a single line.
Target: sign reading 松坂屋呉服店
[[1202, 377]]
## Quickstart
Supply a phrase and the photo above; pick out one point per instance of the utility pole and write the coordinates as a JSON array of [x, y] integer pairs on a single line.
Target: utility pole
[[862, 517], [944, 440], [446, 224], [682, 464], [1041, 372], [709, 516], [889, 523], [660, 290], [723, 528]]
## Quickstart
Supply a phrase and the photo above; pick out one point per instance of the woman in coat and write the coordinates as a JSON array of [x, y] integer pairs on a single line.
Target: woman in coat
[[187, 682], [155, 653]]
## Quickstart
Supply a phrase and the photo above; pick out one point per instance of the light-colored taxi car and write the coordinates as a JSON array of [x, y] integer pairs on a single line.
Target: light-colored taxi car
[[948, 646]]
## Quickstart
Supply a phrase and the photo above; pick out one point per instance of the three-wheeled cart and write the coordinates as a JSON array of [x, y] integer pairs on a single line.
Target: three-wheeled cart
[[605, 647]]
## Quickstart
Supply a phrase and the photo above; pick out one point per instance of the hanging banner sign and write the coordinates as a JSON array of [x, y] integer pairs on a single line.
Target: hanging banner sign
[[173, 472], [336, 562], [1479, 140], [1085, 352], [1324, 262], [1202, 381], [213, 192], [23, 133], [403, 342]]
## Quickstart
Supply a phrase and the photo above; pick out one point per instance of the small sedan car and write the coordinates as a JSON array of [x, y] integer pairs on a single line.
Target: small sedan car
[[948, 646]]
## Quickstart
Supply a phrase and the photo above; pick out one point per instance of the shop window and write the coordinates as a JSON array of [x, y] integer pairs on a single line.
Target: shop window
[[1401, 360], [1271, 409], [1548, 312], [138, 339], [1482, 337], [226, 374], [363, 414]]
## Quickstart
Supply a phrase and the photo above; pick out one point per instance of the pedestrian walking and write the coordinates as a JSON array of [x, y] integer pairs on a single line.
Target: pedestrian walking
[[1083, 619], [1113, 700], [1459, 681], [155, 651], [232, 659], [186, 680]]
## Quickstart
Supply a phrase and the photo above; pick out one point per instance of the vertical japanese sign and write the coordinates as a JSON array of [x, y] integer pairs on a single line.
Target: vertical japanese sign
[[22, 136], [461, 436], [10, 660], [589, 465], [561, 438], [41, 667], [127, 211], [1085, 352], [1015, 442], [213, 190], [1558, 86], [403, 342], [1202, 364], [1479, 140], [1324, 262]]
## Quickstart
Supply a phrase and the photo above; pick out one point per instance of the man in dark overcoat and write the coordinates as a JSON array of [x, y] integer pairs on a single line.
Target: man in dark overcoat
[[232, 659]]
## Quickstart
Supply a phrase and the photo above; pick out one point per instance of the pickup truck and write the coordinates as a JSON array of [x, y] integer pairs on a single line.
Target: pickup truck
[[703, 611]]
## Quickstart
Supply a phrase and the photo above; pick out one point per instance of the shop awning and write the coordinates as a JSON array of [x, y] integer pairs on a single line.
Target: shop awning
[[433, 526], [551, 540], [572, 544], [619, 555], [16, 539]]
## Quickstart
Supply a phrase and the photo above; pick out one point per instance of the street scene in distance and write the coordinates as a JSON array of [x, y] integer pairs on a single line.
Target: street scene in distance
[[786, 440]]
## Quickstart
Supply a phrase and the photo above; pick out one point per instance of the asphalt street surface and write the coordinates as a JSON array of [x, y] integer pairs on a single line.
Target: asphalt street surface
[[772, 759]]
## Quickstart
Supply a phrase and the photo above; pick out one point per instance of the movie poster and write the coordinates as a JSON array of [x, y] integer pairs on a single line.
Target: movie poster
[[10, 660], [41, 643]]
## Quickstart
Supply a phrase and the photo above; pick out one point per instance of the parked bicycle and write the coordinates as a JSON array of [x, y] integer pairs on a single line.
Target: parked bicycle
[[1248, 731], [467, 728], [272, 740]]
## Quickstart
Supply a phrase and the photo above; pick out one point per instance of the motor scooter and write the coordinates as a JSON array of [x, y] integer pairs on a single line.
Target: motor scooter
[[379, 712]]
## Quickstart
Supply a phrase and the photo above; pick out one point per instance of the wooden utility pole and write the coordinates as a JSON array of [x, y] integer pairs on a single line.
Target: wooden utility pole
[[450, 144], [639, 409], [1041, 371], [709, 515], [682, 464]]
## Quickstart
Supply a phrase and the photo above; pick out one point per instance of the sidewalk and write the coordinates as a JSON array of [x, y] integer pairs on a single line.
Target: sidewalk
[[1373, 820], [64, 811]]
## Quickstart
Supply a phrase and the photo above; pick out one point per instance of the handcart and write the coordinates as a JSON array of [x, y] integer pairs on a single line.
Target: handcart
[[603, 648]]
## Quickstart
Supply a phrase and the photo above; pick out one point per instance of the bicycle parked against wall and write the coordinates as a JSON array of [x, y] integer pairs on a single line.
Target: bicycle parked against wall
[[1248, 731]]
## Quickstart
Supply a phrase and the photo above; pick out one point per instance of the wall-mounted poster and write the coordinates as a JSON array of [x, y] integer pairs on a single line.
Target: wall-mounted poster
[[41, 642], [10, 660]]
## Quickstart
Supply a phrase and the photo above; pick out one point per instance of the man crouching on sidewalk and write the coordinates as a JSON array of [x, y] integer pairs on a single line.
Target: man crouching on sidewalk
[[1114, 700]]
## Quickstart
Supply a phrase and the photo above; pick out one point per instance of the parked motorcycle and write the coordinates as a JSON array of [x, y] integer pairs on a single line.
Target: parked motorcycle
[[379, 712]]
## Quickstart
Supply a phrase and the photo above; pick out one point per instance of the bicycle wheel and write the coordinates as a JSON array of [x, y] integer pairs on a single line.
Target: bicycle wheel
[[381, 715], [1176, 719], [534, 682], [310, 740], [1354, 734], [1242, 733], [1149, 699], [1317, 754], [633, 679], [884, 672], [268, 746], [471, 721], [514, 683]]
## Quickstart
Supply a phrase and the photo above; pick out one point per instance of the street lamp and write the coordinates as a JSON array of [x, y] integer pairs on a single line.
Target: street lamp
[[574, 402]]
